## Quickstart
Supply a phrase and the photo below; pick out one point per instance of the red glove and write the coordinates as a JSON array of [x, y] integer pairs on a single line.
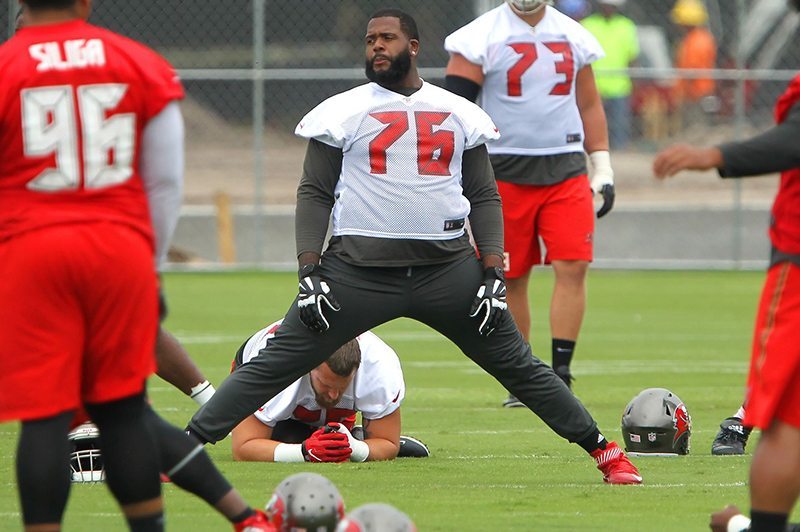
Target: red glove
[[326, 446]]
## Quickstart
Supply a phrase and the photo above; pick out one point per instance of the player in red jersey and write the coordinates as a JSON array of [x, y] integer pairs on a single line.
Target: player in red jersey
[[173, 362], [773, 387], [92, 150]]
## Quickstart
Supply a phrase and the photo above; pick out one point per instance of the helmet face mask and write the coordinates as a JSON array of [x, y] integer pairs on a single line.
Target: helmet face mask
[[85, 460], [656, 422], [527, 7], [305, 501]]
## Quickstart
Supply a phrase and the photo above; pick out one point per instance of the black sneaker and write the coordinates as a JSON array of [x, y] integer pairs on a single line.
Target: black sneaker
[[412, 448], [513, 402], [731, 438], [565, 375]]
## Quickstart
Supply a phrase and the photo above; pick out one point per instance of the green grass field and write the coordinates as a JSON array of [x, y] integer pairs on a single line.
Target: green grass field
[[491, 469]]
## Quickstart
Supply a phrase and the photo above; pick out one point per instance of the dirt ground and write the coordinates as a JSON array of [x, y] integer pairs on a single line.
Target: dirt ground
[[220, 158]]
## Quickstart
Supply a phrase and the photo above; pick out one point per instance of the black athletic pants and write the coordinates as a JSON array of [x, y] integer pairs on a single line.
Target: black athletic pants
[[438, 295]]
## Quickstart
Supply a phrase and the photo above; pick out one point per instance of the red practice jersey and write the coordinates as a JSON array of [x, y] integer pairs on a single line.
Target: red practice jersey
[[74, 100], [785, 230]]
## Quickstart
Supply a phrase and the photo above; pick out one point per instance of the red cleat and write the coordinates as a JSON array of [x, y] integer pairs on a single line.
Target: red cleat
[[255, 523], [616, 467]]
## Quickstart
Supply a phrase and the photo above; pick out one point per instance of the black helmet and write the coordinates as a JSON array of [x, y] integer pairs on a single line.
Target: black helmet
[[656, 422]]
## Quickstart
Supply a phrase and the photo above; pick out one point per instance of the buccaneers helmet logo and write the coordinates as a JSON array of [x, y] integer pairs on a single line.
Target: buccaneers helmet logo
[[681, 421]]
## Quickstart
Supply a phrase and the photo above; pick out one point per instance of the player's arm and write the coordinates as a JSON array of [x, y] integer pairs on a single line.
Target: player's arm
[[775, 150], [463, 77], [315, 198], [590, 107], [486, 215], [251, 441], [595, 144], [383, 436], [161, 167]]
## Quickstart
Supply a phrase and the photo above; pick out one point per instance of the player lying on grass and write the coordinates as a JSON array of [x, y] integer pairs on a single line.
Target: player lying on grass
[[312, 419]]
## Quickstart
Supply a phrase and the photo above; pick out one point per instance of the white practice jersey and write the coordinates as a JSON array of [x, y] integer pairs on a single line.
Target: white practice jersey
[[529, 84], [376, 390], [401, 172]]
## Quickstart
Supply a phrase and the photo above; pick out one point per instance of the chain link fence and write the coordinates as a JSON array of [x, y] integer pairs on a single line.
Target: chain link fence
[[252, 68]]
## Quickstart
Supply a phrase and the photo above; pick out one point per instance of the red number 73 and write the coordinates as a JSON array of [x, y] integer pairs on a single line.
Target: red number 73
[[529, 56]]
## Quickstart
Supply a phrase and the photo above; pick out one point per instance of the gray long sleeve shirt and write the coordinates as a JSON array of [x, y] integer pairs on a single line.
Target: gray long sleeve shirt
[[775, 150]]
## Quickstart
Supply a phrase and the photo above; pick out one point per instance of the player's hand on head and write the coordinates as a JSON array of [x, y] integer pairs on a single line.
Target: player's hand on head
[[326, 445], [490, 301], [314, 299], [602, 182]]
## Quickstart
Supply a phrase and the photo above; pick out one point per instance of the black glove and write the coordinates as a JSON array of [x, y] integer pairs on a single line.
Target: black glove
[[608, 200], [314, 293], [602, 180], [490, 302]]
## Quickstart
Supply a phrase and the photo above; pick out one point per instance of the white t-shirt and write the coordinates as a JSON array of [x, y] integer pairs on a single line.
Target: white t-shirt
[[529, 83], [401, 171], [377, 389]]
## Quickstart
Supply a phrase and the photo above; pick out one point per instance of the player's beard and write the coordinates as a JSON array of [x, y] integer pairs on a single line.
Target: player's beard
[[324, 402], [399, 66]]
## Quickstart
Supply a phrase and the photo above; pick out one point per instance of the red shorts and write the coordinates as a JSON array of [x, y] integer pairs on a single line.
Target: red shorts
[[78, 318], [773, 386], [562, 215]]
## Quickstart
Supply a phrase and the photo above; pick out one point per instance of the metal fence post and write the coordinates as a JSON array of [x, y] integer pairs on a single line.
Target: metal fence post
[[740, 113], [259, 7], [12, 14]]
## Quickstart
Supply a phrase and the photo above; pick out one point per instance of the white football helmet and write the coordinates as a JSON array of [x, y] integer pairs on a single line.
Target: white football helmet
[[528, 7], [85, 460]]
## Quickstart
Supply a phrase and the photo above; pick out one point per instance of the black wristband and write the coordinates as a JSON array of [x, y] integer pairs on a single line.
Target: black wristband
[[462, 86], [496, 272], [306, 270]]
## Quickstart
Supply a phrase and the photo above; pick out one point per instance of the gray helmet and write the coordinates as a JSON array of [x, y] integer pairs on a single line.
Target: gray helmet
[[528, 7], [656, 422], [306, 501], [376, 517]]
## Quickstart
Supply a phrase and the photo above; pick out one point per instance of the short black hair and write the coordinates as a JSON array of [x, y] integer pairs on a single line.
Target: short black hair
[[34, 5], [407, 22]]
